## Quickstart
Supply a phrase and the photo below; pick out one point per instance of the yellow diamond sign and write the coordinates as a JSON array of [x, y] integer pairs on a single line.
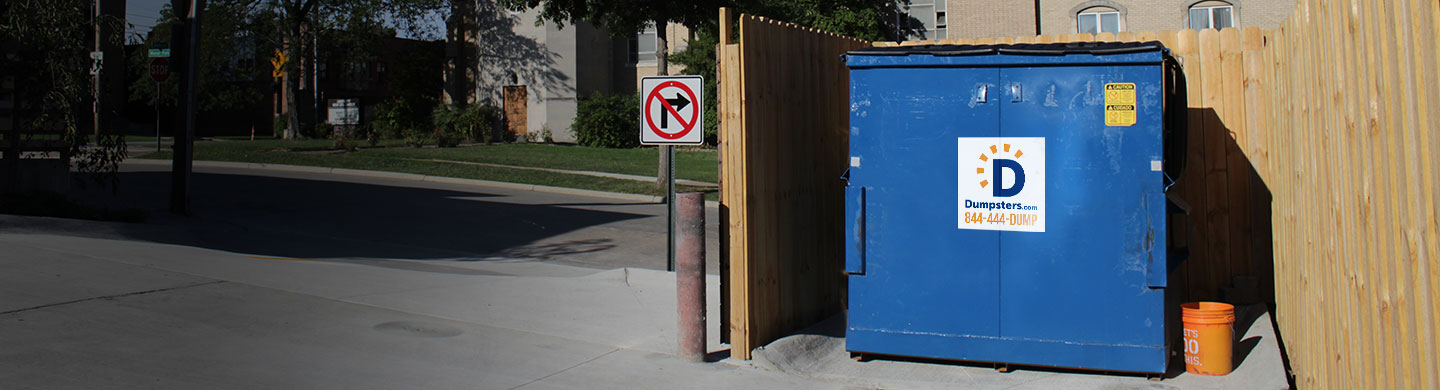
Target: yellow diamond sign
[[279, 63]]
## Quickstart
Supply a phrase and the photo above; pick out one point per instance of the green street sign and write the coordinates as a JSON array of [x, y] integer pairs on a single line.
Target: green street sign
[[159, 49]]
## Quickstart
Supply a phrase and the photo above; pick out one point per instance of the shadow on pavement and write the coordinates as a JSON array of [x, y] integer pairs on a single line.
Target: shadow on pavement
[[319, 219]]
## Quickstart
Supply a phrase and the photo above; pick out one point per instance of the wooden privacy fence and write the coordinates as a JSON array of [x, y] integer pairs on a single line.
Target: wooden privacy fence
[[784, 136], [1350, 105], [1312, 166]]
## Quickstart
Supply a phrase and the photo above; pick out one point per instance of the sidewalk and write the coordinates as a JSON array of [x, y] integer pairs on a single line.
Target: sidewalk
[[98, 313]]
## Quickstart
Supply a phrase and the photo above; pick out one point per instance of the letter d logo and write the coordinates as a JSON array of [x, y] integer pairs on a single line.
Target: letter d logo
[[1000, 190]]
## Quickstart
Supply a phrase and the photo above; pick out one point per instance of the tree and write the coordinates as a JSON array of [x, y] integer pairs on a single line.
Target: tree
[[863, 19], [626, 18], [871, 20], [45, 50], [234, 35], [300, 20]]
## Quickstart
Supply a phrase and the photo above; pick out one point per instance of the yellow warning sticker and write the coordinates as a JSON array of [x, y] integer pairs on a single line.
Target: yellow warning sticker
[[1119, 104]]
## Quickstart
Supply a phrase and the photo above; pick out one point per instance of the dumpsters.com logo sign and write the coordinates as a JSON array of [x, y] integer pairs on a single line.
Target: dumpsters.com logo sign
[[1002, 183]]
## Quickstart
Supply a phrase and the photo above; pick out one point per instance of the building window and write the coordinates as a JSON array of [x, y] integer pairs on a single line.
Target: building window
[[1212, 14], [642, 47], [927, 18], [1097, 20]]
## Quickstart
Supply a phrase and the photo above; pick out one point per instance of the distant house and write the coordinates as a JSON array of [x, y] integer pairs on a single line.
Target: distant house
[[952, 19], [537, 74]]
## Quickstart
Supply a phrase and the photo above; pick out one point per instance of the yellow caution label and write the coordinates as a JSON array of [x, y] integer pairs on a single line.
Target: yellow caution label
[[1119, 104]]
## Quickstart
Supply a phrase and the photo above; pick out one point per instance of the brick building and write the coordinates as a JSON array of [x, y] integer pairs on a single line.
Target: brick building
[[942, 19]]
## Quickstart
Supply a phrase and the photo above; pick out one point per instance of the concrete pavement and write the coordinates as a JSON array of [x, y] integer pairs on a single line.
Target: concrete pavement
[[100, 313], [818, 352], [294, 279]]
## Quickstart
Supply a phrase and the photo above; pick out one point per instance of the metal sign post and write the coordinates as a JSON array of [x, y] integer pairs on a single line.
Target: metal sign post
[[672, 113], [159, 71], [157, 117]]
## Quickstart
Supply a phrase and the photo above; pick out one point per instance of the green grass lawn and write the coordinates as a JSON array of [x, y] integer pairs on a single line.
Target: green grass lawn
[[692, 165]]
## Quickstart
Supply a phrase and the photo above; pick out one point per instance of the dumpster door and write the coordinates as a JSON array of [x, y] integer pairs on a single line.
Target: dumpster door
[[1083, 278], [921, 274]]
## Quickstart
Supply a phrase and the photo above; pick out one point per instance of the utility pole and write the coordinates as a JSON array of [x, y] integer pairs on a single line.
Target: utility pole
[[96, 65], [186, 32]]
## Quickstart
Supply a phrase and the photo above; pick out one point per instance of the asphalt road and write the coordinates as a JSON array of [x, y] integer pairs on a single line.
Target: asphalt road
[[306, 215]]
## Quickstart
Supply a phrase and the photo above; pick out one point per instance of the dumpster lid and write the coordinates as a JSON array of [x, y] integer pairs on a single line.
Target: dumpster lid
[[1041, 49]]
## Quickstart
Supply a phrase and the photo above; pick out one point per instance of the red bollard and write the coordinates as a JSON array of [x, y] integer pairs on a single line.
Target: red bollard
[[690, 274]]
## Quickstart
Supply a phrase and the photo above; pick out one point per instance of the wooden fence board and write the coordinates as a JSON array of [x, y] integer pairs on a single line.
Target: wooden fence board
[[1407, 173], [1217, 220], [1347, 259], [1385, 172], [1426, 27], [1418, 119], [1192, 184], [1238, 172]]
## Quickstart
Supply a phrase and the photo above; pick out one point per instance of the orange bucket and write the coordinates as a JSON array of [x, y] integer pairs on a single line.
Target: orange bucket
[[1209, 336]]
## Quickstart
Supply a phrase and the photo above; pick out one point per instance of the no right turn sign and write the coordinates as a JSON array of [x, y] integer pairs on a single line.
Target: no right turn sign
[[671, 110]]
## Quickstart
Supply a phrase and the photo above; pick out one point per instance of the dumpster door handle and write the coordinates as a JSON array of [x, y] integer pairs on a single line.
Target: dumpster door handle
[[980, 95], [1015, 95], [1157, 270], [855, 230]]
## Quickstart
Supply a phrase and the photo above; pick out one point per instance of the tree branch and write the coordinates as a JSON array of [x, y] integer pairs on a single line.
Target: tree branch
[[305, 8]]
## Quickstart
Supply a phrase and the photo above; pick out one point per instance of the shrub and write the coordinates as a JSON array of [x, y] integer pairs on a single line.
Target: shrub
[[345, 137], [396, 115], [447, 121], [474, 123], [414, 138], [481, 121], [371, 136], [448, 138], [611, 121], [321, 130], [545, 135]]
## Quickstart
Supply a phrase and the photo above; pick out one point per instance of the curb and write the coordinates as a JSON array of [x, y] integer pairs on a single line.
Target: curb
[[586, 173], [414, 177]]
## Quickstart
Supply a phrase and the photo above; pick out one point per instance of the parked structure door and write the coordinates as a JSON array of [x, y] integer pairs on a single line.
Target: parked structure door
[[516, 110]]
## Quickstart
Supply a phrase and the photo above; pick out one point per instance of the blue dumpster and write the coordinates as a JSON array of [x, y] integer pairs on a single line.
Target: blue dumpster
[[1007, 203]]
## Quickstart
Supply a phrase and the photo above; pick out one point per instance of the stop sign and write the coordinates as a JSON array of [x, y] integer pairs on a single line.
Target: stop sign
[[160, 69]]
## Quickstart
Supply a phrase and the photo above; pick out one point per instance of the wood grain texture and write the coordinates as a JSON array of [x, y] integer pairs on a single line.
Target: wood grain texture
[[785, 128]]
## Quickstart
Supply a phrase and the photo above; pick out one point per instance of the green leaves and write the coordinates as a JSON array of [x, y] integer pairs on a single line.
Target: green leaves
[[622, 17], [608, 121]]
